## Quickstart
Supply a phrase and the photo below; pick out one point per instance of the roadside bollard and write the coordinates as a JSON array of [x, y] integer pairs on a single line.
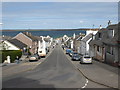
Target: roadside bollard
[[17, 59], [8, 59]]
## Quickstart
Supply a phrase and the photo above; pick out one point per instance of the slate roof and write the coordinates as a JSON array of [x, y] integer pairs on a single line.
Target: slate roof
[[110, 42], [96, 42], [86, 38], [47, 39], [112, 26], [30, 36], [38, 38], [17, 43]]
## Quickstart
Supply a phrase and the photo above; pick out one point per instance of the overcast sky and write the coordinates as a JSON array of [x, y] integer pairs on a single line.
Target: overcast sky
[[52, 15]]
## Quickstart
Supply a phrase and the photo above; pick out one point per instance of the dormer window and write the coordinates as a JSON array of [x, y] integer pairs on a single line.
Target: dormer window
[[111, 33], [99, 35]]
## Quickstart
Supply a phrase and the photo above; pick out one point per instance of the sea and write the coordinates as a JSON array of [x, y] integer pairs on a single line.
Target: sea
[[54, 34]]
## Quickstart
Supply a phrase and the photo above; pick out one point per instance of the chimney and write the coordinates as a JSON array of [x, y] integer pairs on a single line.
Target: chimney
[[27, 33], [100, 27], [30, 34], [109, 22]]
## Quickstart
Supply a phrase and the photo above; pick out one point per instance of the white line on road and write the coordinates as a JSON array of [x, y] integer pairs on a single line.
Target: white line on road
[[85, 84]]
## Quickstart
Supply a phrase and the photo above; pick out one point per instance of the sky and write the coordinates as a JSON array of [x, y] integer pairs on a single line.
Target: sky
[[58, 15]]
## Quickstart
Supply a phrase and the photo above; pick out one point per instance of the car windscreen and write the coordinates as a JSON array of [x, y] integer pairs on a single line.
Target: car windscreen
[[86, 57]]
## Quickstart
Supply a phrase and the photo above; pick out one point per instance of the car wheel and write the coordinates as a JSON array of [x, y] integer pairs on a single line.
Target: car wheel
[[81, 63]]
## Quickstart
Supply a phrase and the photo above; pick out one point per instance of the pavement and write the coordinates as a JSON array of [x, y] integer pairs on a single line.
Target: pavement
[[98, 72], [23, 66]]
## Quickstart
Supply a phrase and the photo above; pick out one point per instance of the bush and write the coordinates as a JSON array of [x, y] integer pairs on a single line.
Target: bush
[[11, 53]]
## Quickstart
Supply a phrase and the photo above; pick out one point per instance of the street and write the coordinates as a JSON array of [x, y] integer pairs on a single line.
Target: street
[[56, 71]]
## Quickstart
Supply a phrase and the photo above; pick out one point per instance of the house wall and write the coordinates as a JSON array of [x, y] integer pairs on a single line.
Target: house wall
[[87, 46], [10, 46], [90, 31], [82, 47], [112, 58], [76, 45], [99, 54], [91, 51]]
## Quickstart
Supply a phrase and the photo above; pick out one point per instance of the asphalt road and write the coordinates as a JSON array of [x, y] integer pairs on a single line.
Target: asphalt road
[[55, 72]]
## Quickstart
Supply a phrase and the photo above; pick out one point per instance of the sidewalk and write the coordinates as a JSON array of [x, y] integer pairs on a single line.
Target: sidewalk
[[14, 68], [98, 72]]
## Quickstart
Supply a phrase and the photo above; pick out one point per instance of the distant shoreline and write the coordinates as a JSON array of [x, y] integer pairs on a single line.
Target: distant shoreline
[[49, 29]]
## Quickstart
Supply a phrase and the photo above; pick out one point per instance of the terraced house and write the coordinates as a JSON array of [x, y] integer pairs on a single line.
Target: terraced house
[[105, 45], [28, 39]]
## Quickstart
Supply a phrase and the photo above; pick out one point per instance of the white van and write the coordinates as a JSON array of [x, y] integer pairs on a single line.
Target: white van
[[42, 53]]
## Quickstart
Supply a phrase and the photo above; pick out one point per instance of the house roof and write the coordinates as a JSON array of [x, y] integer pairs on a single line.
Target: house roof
[[112, 26], [110, 41], [38, 38], [86, 38], [17, 43], [30, 36], [47, 39], [96, 42]]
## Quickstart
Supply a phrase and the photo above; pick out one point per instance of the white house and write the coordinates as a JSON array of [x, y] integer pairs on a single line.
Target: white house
[[84, 46], [12, 44], [84, 43], [65, 38], [90, 31], [5, 45]]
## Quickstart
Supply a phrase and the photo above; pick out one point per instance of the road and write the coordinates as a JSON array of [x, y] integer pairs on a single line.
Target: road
[[55, 72]]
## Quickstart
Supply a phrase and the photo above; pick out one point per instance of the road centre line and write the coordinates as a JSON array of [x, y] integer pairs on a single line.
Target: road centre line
[[85, 84]]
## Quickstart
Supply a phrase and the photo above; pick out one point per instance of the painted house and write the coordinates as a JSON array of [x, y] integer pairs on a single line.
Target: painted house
[[28, 39], [84, 43], [48, 41], [97, 49], [105, 46], [111, 45], [12, 44], [74, 42], [84, 46]]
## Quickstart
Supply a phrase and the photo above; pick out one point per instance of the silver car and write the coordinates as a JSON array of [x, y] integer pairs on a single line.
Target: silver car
[[86, 59], [33, 58]]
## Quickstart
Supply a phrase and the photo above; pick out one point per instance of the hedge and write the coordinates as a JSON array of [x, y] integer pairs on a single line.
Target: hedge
[[11, 53]]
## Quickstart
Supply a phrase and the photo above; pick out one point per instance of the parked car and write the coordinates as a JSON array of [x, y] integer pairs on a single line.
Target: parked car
[[86, 59], [76, 57], [68, 51], [71, 53], [34, 57]]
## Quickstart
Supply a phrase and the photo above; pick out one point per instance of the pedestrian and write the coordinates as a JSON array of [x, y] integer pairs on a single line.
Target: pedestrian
[[17, 59]]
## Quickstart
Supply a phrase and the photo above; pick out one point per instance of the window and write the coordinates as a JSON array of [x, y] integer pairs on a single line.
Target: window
[[110, 50], [40, 51], [111, 33], [99, 35], [98, 48]]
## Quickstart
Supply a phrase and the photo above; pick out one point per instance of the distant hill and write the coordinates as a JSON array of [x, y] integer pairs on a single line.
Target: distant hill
[[49, 29]]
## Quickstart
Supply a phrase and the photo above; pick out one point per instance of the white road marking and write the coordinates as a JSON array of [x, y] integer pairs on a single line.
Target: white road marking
[[85, 84]]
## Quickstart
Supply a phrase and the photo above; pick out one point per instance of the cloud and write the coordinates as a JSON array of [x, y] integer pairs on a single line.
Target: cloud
[[81, 21], [1, 23]]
